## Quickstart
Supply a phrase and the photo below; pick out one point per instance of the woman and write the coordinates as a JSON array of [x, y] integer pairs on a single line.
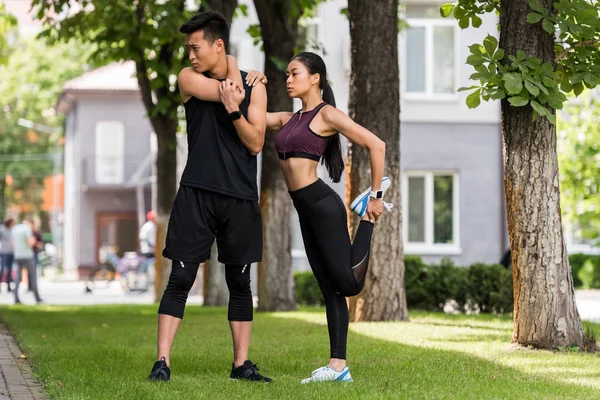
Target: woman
[[305, 138], [6, 251]]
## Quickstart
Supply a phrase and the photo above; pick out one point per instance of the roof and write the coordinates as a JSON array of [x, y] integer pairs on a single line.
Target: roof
[[118, 77], [115, 76]]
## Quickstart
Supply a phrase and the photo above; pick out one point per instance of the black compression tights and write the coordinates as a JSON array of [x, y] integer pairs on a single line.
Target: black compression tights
[[339, 265], [182, 279]]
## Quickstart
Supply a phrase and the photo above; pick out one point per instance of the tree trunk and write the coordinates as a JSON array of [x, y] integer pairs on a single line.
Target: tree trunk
[[545, 314], [224, 7], [275, 278], [166, 171], [375, 82], [214, 288]]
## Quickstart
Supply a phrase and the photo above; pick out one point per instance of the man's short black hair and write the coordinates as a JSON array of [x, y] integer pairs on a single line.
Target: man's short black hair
[[213, 24]]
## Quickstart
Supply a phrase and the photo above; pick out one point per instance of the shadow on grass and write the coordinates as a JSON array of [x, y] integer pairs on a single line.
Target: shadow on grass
[[107, 352]]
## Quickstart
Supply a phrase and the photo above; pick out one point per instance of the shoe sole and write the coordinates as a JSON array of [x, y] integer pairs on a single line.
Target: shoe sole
[[247, 380], [385, 185]]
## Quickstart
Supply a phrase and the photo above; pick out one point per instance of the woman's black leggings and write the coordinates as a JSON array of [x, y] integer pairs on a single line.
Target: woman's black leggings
[[339, 266]]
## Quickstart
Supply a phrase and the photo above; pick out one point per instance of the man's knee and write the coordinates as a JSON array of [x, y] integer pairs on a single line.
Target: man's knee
[[240, 292], [238, 279], [181, 280]]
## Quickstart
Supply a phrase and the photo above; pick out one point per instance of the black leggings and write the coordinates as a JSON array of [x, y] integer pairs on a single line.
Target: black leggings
[[339, 266], [182, 279]]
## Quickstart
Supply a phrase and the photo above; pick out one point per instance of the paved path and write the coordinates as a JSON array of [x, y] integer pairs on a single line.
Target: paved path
[[16, 382], [588, 303]]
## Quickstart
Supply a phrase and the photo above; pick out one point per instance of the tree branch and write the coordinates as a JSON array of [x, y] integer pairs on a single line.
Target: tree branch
[[591, 42]]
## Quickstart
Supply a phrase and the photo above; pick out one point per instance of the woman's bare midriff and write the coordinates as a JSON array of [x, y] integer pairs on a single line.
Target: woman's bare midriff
[[299, 172]]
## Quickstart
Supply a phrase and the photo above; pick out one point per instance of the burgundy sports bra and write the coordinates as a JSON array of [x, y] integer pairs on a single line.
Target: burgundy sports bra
[[296, 139]]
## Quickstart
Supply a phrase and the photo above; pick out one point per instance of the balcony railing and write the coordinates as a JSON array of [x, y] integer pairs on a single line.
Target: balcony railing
[[101, 171]]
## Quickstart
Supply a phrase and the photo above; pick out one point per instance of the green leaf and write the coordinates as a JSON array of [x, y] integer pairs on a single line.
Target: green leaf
[[513, 83], [534, 18], [475, 60], [491, 44], [518, 101], [474, 99], [566, 86], [578, 88], [499, 55], [537, 6], [532, 89], [446, 10], [590, 79], [521, 56], [476, 21], [498, 95], [464, 89], [548, 82], [476, 49], [540, 109], [459, 12], [578, 77], [555, 102], [463, 22], [548, 26]]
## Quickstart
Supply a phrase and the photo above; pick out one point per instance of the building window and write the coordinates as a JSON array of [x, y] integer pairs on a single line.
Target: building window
[[430, 52], [308, 35], [431, 213], [109, 167]]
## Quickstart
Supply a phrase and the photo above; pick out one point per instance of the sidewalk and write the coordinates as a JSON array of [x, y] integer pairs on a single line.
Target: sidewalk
[[16, 382]]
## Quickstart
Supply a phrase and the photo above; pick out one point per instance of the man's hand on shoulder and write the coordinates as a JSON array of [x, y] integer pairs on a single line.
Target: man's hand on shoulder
[[231, 95]]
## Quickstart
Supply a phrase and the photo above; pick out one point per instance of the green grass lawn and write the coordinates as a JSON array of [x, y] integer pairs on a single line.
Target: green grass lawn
[[107, 352]]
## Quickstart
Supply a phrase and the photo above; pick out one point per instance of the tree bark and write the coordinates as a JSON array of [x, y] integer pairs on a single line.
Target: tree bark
[[224, 7], [375, 104], [214, 288], [275, 278], [166, 167], [545, 314]]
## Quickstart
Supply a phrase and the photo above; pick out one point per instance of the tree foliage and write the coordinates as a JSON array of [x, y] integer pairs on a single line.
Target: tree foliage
[[525, 80], [30, 85], [7, 24], [579, 161]]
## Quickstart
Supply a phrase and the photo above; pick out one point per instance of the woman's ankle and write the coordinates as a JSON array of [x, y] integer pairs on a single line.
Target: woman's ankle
[[337, 364]]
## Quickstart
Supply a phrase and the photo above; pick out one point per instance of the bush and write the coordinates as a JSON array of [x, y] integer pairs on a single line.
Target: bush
[[577, 261], [418, 294], [589, 274], [489, 288], [484, 288], [307, 289]]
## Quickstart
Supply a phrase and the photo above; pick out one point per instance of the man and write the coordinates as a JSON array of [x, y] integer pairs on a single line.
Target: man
[[148, 235], [218, 195], [23, 243]]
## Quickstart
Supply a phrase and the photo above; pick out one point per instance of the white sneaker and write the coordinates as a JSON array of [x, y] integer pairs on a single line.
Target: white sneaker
[[325, 374], [359, 205]]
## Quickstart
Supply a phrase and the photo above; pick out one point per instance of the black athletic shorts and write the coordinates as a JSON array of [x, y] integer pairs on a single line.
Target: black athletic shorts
[[199, 216]]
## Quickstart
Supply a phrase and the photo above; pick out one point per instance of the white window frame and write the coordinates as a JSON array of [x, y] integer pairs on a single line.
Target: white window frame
[[428, 247], [429, 24]]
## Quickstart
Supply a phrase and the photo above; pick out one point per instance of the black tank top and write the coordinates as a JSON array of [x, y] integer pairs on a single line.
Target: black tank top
[[217, 160]]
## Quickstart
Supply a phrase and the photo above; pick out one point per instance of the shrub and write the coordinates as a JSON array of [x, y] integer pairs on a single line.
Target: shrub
[[489, 288], [589, 274], [307, 289]]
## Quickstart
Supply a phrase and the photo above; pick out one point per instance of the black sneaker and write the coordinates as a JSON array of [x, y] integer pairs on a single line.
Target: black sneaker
[[160, 371], [248, 372]]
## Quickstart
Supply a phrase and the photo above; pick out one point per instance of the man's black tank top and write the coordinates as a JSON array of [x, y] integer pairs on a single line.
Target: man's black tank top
[[217, 160]]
